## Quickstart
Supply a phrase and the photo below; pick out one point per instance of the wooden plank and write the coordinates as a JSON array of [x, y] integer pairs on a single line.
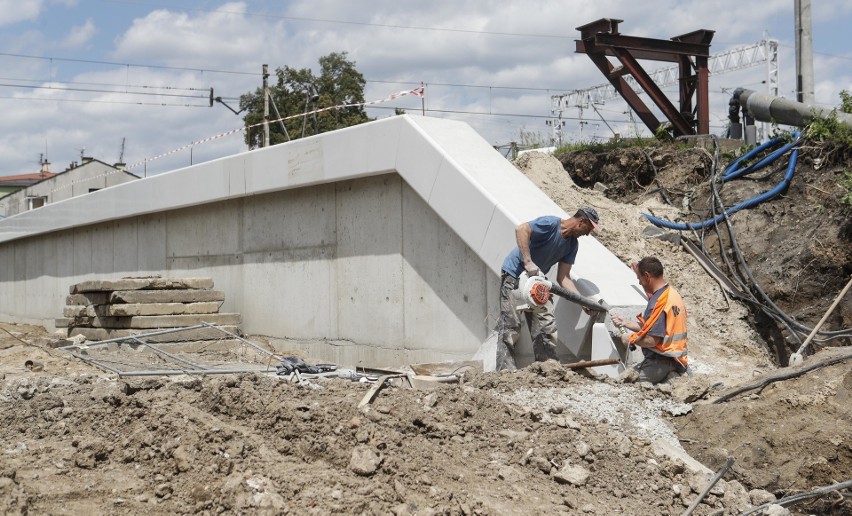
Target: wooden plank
[[446, 368], [374, 390]]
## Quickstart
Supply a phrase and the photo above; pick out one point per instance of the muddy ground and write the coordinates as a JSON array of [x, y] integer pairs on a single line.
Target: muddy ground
[[543, 440]]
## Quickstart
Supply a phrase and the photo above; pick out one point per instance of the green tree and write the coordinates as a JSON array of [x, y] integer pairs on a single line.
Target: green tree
[[300, 91]]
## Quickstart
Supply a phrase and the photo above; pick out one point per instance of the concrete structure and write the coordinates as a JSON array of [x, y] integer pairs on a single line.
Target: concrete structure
[[377, 245], [48, 188]]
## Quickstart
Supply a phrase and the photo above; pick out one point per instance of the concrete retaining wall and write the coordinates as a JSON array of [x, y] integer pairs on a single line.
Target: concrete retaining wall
[[361, 262], [384, 240]]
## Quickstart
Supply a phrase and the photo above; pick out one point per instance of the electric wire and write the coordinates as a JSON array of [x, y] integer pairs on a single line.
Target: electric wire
[[117, 85], [719, 218], [86, 90], [95, 101]]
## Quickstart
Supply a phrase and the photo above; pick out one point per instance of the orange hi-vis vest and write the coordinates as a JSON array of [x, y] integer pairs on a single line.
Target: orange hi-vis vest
[[674, 343]]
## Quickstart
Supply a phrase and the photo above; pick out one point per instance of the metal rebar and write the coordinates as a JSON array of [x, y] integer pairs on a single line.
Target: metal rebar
[[174, 372], [166, 353], [725, 468]]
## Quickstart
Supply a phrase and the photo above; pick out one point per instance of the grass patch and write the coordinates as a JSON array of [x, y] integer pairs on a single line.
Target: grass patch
[[598, 146]]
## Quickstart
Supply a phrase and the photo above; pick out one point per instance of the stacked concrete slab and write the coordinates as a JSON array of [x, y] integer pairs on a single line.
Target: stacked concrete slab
[[107, 309]]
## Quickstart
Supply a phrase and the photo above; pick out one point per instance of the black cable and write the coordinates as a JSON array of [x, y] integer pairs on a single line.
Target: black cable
[[795, 328], [739, 272]]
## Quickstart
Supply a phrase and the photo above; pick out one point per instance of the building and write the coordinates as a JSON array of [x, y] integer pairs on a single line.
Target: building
[[9, 184], [29, 191]]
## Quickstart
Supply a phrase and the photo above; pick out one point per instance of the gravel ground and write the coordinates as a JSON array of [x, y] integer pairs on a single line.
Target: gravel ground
[[623, 409]]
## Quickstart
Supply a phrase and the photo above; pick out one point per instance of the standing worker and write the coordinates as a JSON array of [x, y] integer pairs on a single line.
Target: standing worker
[[542, 242], [660, 330]]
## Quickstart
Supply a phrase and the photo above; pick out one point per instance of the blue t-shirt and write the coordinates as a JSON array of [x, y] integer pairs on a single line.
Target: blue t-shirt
[[547, 247]]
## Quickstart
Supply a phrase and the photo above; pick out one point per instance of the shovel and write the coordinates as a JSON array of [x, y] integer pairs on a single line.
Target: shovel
[[797, 358]]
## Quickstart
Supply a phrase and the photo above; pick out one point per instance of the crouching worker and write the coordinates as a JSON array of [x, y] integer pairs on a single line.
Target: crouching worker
[[660, 331]]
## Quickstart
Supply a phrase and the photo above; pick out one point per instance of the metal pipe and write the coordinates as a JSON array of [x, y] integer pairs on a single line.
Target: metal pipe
[[96, 362], [768, 108], [244, 341], [165, 353], [174, 372]]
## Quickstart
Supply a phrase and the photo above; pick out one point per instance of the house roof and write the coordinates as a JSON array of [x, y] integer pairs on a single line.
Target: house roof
[[25, 179]]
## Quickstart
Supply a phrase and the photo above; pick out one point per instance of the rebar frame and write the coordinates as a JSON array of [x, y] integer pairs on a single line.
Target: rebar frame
[[182, 365]]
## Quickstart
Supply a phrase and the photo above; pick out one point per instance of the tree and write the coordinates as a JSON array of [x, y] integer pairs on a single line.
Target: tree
[[299, 91]]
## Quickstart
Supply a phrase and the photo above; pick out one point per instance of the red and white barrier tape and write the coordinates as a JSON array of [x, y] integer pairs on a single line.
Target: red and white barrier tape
[[419, 92]]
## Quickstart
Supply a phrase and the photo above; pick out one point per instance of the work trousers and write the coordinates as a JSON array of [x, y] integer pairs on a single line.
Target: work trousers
[[654, 368], [541, 323]]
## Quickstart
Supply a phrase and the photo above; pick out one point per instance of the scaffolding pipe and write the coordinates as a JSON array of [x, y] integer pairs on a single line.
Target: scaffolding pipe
[[769, 108]]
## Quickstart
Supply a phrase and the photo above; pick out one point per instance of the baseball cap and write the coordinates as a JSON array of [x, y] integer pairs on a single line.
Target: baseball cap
[[592, 215]]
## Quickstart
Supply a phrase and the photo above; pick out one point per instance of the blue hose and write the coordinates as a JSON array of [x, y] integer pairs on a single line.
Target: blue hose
[[754, 201], [733, 174], [752, 153]]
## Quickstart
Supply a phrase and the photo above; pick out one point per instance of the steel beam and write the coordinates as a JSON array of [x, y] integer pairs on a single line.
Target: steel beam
[[626, 92], [681, 126], [600, 39]]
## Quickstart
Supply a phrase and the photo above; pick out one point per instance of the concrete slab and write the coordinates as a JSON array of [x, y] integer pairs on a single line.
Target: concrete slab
[[95, 334], [88, 298], [133, 309], [150, 322], [163, 296], [141, 284]]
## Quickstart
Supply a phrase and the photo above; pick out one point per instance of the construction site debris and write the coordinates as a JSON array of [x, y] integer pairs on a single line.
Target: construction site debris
[[195, 350], [447, 368], [290, 364], [783, 375]]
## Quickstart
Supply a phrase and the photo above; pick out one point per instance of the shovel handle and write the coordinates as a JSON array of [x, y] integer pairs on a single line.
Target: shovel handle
[[824, 317]]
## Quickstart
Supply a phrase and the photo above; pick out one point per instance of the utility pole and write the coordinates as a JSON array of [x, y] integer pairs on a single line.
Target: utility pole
[[804, 52], [266, 105]]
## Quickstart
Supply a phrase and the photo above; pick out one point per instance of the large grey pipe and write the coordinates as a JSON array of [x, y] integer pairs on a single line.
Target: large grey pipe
[[768, 108]]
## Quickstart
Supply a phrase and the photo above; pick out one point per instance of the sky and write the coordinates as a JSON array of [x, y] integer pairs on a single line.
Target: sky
[[129, 81]]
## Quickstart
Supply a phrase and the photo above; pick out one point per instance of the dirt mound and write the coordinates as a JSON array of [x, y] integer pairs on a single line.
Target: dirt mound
[[797, 246], [86, 443], [787, 437]]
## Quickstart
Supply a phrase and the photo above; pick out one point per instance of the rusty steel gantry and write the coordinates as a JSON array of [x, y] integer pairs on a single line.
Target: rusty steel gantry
[[690, 51]]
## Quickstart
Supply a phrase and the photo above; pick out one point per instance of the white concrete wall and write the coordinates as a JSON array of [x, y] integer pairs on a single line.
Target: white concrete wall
[[385, 238]]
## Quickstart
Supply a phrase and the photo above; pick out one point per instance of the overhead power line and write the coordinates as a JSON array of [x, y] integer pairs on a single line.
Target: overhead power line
[[117, 85], [113, 63], [93, 101], [86, 90], [345, 22]]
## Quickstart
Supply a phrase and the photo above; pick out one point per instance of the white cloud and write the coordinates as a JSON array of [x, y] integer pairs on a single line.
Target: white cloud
[[225, 37], [14, 11], [495, 58], [80, 35]]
